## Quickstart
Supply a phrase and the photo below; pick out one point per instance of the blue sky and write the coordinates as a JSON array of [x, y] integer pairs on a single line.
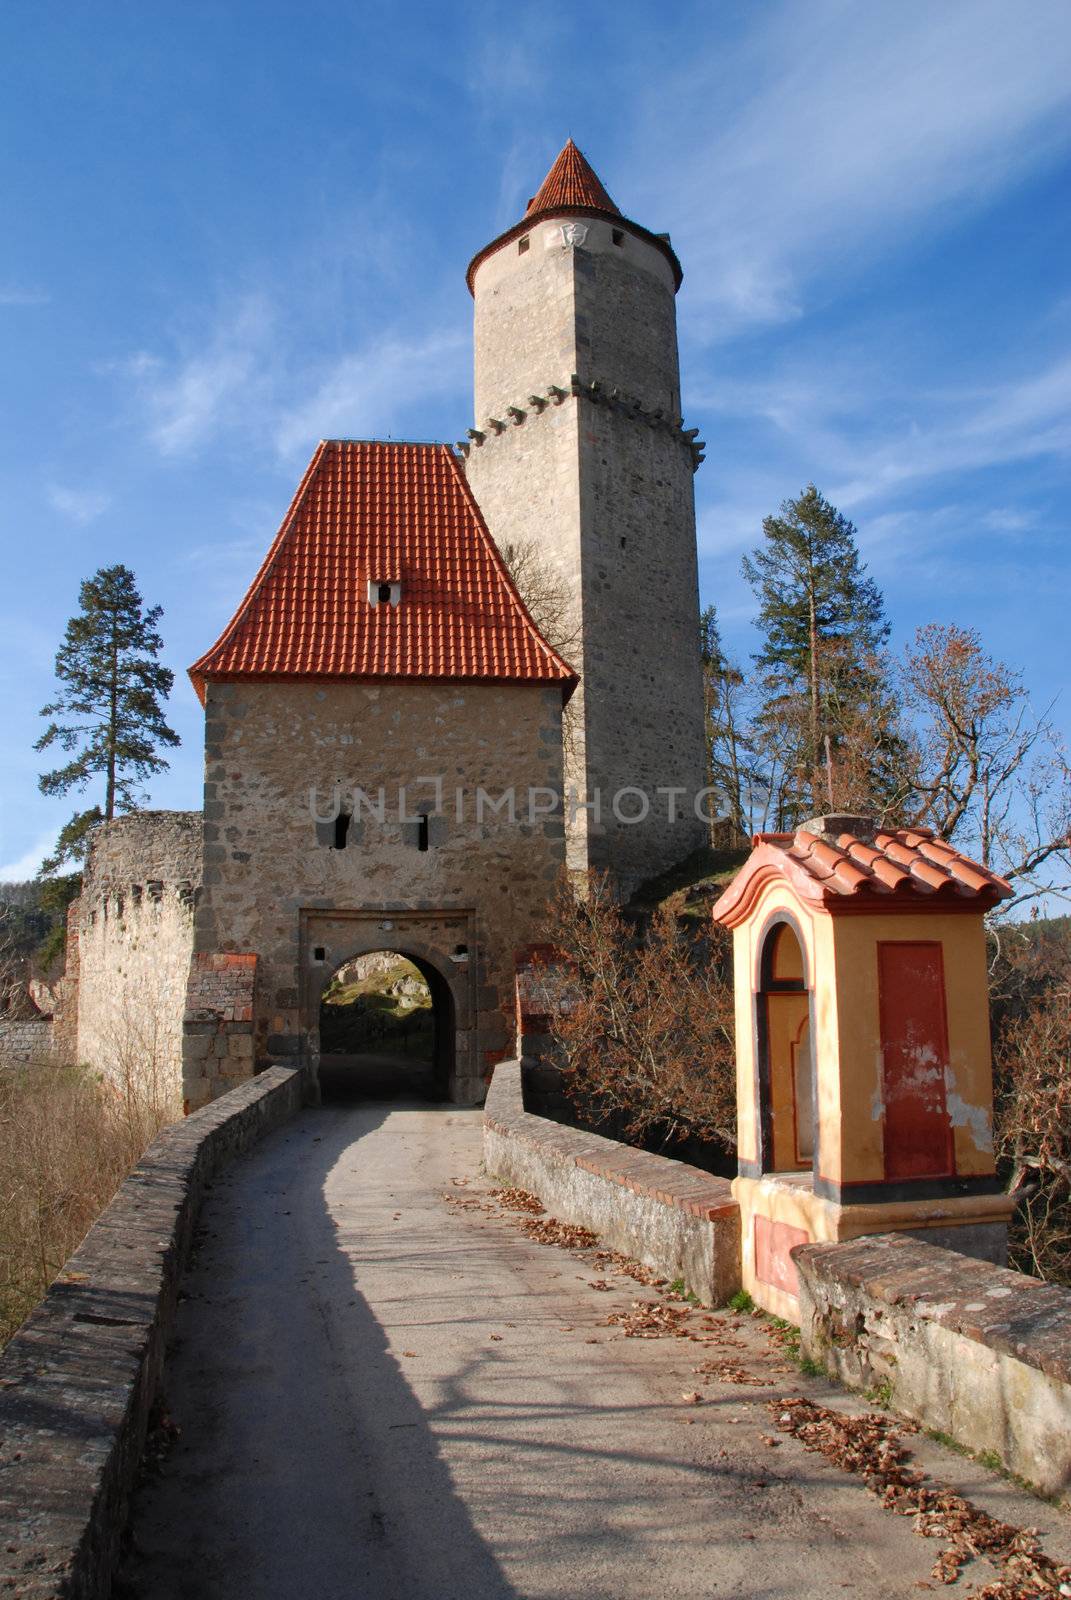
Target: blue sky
[[232, 229]]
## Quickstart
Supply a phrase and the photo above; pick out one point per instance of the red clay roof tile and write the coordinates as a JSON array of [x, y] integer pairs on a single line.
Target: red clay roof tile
[[572, 189], [370, 511], [572, 181], [897, 867]]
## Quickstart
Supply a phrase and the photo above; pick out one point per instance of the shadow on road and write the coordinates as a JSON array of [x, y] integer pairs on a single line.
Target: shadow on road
[[349, 1079], [304, 1465]]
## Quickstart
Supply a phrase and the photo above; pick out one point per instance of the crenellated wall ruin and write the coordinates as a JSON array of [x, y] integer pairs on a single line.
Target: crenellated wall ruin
[[134, 941]]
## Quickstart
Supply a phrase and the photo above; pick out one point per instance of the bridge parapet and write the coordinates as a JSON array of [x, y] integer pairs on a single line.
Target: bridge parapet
[[969, 1349], [676, 1218], [78, 1380]]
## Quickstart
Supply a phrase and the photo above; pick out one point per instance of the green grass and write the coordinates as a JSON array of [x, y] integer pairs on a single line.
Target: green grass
[[742, 1302], [991, 1461], [679, 1287], [880, 1394], [790, 1338]]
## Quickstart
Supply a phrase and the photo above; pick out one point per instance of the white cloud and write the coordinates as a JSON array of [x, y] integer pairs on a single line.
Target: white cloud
[[863, 440], [80, 505], [1002, 519], [833, 129], [246, 380], [12, 295], [363, 393], [1021, 420], [187, 400], [26, 865]]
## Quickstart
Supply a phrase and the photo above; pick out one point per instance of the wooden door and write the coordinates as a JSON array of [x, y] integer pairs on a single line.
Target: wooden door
[[914, 1046]]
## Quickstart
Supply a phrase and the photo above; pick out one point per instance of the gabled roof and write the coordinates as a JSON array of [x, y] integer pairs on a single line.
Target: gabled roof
[[369, 511], [572, 181], [572, 189], [843, 868]]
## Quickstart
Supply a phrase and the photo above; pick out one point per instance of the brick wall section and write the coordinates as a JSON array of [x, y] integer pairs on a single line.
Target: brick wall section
[[78, 1379], [26, 1041], [539, 1054], [217, 1029], [673, 1217], [972, 1350]]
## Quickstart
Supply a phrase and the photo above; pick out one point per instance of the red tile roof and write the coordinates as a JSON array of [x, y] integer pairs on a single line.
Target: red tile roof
[[572, 189], [839, 870], [572, 181], [373, 511]]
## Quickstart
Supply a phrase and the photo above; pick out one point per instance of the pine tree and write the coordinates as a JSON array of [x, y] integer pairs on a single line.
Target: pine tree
[[730, 753], [108, 711], [823, 665]]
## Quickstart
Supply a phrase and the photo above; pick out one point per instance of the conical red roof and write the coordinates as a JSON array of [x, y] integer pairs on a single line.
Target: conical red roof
[[369, 512], [572, 189], [572, 181]]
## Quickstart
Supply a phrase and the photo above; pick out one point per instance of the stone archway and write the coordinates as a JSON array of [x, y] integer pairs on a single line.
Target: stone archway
[[441, 948], [387, 1029]]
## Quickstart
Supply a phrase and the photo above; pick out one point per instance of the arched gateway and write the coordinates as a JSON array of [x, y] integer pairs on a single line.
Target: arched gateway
[[384, 1034], [379, 687]]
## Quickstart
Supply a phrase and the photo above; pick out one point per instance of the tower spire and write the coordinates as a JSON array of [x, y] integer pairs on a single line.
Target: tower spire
[[572, 181], [572, 188]]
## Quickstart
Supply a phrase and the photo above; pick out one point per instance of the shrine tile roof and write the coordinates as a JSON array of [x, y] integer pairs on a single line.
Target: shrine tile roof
[[837, 868]]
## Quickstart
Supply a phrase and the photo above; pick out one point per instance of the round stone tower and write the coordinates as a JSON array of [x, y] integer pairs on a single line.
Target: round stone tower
[[578, 450]]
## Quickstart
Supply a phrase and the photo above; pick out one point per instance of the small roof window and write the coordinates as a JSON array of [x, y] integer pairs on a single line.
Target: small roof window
[[384, 592]]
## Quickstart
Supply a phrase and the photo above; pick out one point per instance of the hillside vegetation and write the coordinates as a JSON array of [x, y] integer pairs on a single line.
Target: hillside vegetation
[[387, 1011]]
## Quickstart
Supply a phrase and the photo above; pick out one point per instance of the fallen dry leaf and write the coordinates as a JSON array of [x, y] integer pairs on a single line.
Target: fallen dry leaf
[[727, 1372], [548, 1230], [872, 1447], [520, 1200], [650, 1319]]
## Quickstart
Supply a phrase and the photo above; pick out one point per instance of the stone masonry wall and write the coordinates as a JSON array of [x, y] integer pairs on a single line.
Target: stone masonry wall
[[79, 1378], [65, 991], [675, 1218], [135, 936], [969, 1349], [274, 884], [26, 1041], [217, 1043], [598, 474]]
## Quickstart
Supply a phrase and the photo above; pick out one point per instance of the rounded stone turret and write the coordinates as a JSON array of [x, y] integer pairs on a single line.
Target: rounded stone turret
[[578, 448]]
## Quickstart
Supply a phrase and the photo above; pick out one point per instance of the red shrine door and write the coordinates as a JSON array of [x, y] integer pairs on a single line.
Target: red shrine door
[[914, 1048]]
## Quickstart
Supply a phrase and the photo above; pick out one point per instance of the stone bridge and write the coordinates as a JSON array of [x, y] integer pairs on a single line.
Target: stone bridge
[[318, 1351]]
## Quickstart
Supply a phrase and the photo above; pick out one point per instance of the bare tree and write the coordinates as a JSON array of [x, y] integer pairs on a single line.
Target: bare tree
[[644, 1024], [553, 608], [548, 595], [1033, 1098], [15, 1002], [987, 770]]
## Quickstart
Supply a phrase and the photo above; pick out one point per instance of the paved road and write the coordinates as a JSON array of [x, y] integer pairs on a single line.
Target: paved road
[[385, 1394]]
